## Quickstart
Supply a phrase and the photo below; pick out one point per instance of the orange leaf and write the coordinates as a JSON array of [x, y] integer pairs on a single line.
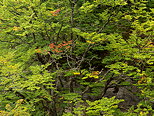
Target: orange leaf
[[51, 45], [38, 51], [54, 13], [68, 46]]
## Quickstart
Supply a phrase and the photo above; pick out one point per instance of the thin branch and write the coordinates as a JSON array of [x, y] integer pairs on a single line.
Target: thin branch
[[106, 86], [86, 89], [83, 56], [105, 24], [104, 74], [68, 61]]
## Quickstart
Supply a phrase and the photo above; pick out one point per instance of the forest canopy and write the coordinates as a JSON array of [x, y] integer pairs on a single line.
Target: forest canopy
[[76, 57]]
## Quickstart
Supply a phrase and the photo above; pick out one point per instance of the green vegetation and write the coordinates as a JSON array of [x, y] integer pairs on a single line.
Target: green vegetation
[[76, 58]]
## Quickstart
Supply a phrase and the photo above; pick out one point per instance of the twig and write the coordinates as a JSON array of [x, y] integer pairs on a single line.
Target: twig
[[104, 74], [68, 61], [104, 24], [82, 59]]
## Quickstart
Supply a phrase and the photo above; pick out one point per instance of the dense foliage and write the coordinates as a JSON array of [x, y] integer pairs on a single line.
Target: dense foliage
[[76, 58]]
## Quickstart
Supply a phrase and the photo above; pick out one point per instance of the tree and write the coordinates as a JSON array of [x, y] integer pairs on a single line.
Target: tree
[[61, 57]]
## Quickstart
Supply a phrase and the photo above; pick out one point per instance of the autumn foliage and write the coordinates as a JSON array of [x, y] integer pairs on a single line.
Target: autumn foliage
[[55, 12]]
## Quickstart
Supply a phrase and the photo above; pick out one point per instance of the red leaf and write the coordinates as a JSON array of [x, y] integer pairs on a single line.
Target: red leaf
[[51, 45]]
